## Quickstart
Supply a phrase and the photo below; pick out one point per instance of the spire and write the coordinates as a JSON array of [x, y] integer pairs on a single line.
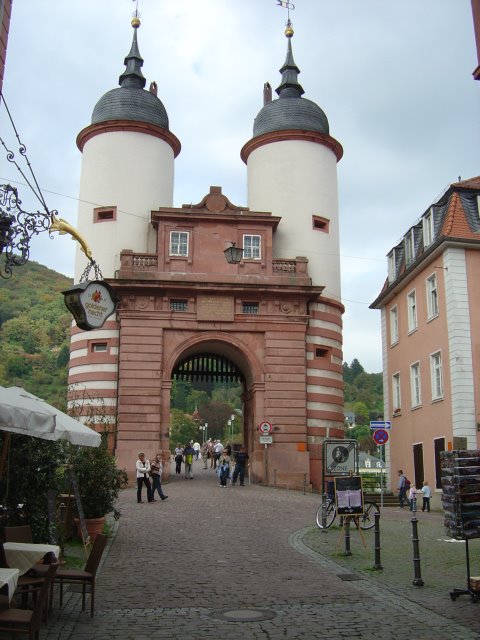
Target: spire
[[133, 77], [289, 87]]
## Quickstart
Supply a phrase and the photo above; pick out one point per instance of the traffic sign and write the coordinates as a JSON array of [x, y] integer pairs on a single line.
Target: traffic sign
[[265, 427], [266, 439], [380, 436], [340, 456], [380, 424]]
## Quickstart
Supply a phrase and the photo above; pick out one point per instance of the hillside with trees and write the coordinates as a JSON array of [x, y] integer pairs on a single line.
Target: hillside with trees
[[364, 399], [35, 332]]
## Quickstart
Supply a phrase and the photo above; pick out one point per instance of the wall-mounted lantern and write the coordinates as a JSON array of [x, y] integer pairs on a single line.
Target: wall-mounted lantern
[[233, 254]]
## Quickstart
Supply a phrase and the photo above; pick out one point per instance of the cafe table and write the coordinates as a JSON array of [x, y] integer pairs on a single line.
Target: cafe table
[[24, 555], [8, 581]]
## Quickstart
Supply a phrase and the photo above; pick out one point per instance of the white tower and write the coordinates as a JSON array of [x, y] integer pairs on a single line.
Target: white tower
[[127, 168], [292, 172], [127, 171]]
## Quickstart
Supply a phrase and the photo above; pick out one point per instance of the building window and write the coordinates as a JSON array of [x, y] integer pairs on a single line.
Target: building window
[[321, 224], [412, 310], [428, 229], [436, 374], [178, 243], [250, 307], [178, 305], [99, 347], [432, 297], [322, 352], [396, 395], [394, 325], [392, 267], [409, 247], [415, 385], [104, 214], [251, 247]]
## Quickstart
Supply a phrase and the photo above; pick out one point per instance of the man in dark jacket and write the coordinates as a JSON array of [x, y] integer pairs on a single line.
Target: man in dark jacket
[[241, 461]]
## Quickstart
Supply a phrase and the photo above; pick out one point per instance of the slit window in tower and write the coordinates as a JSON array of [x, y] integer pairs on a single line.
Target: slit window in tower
[[104, 214], [251, 247], [99, 347], [322, 352], [178, 305], [250, 307], [321, 224], [178, 243]]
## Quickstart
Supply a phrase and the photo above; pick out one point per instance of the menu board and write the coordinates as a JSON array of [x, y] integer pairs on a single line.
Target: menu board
[[349, 496]]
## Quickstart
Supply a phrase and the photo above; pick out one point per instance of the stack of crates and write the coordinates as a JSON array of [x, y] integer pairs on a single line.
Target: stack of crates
[[461, 493]]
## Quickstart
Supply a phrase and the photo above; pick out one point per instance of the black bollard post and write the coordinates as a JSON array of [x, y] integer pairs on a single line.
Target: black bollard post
[[378, 565], [346, 528], [304, 483], [417, 581], [324, 512]]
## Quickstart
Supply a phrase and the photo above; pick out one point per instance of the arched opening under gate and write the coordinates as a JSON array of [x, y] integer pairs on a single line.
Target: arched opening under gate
[[215, 364]]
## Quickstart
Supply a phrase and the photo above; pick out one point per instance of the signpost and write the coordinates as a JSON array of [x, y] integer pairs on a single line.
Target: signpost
[[265, 427], [380, 424], [380, 436], [340, 457]]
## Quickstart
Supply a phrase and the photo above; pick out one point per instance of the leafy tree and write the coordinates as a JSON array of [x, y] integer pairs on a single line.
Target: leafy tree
[[182, 428]]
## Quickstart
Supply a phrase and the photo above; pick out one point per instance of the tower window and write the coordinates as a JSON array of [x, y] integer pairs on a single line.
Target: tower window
[[321, 224], [104, 214], [322, 352], [99, 347], [178, 243]]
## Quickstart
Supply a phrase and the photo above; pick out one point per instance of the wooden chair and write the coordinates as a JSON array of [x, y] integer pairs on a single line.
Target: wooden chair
[[84, 577], [26, 621], [26, 585], [21, 533]]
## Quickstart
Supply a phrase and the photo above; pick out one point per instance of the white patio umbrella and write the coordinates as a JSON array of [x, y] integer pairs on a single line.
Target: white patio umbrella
[[22, 412]]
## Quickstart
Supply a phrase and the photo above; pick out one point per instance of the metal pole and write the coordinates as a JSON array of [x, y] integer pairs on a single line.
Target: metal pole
[[324, 512], [346, 528], [382, 458], [417, 581], [275, 478], [378, 565], [304, 483]]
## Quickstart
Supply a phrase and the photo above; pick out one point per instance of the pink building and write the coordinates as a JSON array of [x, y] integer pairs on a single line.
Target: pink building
[[430, 310]]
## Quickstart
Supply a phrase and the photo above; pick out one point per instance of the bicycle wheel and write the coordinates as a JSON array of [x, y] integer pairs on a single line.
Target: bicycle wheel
[[367, 521], [330, 513]]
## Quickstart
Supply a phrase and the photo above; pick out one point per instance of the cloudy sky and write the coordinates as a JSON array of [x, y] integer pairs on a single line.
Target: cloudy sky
[[394, 78]]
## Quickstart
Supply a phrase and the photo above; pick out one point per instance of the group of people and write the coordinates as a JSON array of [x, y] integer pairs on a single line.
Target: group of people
[[150, 475], [407, 493]]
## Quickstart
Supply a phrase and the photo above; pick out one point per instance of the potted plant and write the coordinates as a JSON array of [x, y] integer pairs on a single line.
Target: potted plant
[[99, 483]]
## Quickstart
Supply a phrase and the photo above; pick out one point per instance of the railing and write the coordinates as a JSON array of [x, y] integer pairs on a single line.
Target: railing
[[289, 266]]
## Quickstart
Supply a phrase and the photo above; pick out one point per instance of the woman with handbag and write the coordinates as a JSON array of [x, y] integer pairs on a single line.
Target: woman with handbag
[[156, 470]]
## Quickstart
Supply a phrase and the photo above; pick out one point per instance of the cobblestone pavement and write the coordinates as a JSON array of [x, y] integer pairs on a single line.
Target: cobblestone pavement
[[248, 563]]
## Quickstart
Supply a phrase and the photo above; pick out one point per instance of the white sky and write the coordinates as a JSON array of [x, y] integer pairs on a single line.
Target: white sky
[[394, 78]]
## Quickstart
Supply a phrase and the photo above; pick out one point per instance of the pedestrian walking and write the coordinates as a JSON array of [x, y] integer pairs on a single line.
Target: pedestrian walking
[[224, 462], [412, 497], [427, 494], [143, 469], [402, 489], [156, 470], [178, 458], [196, 446], [241, 460], [188, 454]]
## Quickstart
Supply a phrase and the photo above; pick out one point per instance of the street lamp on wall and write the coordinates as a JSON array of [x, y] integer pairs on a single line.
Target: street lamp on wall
[[233, 254]]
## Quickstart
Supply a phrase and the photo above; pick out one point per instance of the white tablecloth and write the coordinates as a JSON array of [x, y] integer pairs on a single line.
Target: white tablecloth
[[9, 577], [23, 555]]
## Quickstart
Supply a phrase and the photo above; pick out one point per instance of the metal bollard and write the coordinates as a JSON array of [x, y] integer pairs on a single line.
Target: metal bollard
[[417, 581], [324, 512], [346, 528], [274, 478], [304, 483], [378, 565]]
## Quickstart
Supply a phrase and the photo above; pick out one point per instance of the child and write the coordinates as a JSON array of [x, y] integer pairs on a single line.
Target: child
[[412, 495], [427, 493]]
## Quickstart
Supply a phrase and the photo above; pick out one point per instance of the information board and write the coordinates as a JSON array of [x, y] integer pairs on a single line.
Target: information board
[[349, 496]]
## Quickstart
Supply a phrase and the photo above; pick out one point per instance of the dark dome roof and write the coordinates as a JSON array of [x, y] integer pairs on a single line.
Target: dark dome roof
[[290, 110], [290, 113], [130, 103]]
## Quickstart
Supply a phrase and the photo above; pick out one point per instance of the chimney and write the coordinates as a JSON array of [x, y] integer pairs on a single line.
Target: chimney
[[267, 93]]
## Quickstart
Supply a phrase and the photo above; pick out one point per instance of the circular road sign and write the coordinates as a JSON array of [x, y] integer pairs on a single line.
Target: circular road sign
[[265, 427], [380, 436]]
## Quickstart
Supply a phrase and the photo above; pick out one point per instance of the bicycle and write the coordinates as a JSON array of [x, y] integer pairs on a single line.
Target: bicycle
[[366, 520]]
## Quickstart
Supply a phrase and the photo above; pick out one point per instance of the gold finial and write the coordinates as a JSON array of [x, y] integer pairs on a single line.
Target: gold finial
[[289, 30], [136, 22]]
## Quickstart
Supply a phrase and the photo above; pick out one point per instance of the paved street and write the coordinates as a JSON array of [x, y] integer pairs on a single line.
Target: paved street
[[248, 562]]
